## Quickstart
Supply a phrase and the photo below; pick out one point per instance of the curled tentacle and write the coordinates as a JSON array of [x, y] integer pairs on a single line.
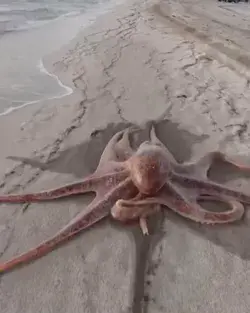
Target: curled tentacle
[[180, 202], [175, 199], [132, 209]]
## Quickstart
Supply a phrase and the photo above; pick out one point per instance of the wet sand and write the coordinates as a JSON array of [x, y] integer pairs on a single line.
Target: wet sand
[[187, 69]]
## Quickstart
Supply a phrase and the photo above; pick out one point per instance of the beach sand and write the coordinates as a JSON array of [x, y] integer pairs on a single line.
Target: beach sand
[[187, 68]]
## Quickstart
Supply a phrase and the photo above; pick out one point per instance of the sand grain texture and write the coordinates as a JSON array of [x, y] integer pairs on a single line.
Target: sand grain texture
[[186, 68]]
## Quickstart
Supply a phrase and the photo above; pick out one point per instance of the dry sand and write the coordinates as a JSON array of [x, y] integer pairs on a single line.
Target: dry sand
[[182, 63]]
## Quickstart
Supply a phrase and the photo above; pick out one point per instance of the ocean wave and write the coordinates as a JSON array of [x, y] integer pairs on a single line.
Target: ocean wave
[[67, 91], [16, 17], [76, 14]]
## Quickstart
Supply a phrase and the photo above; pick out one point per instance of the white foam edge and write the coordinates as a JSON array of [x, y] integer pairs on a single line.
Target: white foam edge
[[41, 67]]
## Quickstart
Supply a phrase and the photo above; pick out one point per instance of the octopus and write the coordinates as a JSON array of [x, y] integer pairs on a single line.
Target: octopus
[[130, 185]]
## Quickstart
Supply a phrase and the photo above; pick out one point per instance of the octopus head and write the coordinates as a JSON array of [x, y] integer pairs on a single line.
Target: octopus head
[[149, 168]]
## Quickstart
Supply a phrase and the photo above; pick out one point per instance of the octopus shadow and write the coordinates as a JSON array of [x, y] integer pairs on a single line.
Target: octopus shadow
[[79, 160], [230, 236], [69, 161], [179, 142]]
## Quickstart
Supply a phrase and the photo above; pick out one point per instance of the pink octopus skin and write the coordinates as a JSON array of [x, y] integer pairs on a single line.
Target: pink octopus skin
[[135, 186]]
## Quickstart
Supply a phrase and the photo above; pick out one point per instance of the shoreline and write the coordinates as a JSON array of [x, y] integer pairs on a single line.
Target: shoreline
[[54, 42], [42, 69], [129, 67]]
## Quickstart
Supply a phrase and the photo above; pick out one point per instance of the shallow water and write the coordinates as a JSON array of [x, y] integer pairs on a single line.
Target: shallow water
[[29, 30], [25, 14]]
